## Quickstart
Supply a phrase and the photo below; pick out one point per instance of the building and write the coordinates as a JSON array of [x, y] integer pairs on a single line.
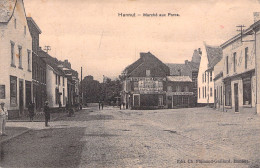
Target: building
[[38, 67], [56, 81], [211, 55], [239, 72], [144, 83], [218, 85], [16, 58], [179, 92], [182, 82]]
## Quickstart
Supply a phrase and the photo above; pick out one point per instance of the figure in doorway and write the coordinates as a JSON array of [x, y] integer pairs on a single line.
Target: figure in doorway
[[47, 113]]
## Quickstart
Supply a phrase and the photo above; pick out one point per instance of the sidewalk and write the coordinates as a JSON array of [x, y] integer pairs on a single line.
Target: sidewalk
[[13, 129]]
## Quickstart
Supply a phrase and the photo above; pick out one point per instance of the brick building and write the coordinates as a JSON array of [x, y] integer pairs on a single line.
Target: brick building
[[38, 67], [144, 84]]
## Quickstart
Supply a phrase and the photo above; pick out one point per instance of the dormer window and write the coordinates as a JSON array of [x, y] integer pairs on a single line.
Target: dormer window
[[148, 72]]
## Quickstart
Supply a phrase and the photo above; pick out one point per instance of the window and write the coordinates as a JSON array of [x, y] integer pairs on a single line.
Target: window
[[247, 91], [203, 91], [227, 64], [148, 72], [12, 55], [205, 77], [59, 80], [63, 83], [221, 95], [202, 78], [178, 88], [13, 90], [57, 95], [169, 88], [15, 23], [20, 57], [228, 97], [186, 89], [56, 81], [246, 57], [2, 91], [199, 93], [24, 30], [210, 92], [210, 76], [29, 60], [234, 61]]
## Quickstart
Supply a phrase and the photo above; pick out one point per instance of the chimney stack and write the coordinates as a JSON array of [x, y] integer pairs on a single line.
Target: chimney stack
[[200, 52], [256, 16]]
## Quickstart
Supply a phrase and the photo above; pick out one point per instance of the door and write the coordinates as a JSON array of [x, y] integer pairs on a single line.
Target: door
[[136, 100], [21, 103], [170, 101], [160, 100], [236, 97]]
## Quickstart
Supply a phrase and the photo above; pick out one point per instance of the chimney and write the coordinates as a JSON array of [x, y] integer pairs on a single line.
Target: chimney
[[256, 16], [200, 52], [186, 62]]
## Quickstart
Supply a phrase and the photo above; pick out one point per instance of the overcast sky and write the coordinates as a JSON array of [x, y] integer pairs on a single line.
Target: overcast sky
[[90, 33]]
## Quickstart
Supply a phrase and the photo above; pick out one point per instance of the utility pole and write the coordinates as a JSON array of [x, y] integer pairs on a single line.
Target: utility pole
[[47, 48], [81, 88]]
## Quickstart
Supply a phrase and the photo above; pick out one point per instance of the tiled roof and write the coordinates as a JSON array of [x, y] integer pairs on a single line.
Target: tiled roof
[[6, 9], [179, 78], [179, 70], [53, 62], [214, 54], [144, 57]]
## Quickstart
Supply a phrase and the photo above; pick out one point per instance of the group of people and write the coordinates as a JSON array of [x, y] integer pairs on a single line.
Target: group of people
[[100, 105], [46, 111]]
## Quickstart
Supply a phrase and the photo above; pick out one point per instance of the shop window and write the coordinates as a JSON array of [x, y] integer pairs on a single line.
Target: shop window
[[13, 91], [247, 91], [228, 97]]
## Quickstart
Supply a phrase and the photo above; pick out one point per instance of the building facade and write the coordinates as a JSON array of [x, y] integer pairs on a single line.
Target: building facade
[[16, 58], [179, 92], [38, 67], [210, 57], [144, 84], [239, 75], [56, 81], [218, 85]]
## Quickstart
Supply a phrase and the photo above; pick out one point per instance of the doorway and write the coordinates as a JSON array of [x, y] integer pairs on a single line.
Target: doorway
[[21, 103], [236, 97]]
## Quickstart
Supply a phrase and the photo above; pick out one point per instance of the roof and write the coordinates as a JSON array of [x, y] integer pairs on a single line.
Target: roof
[[214, 54], [144, 57], [6, 10], [35, 25], [179, 78], [51, 61], [179, 69]]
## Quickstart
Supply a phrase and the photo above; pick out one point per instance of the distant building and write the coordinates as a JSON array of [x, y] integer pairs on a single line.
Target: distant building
[[211, 55], [218, 85], [56, 81], [144, 84], [38, 67], [16, 58]]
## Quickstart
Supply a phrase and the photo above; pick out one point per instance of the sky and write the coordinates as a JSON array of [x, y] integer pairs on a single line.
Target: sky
[[92, 35]]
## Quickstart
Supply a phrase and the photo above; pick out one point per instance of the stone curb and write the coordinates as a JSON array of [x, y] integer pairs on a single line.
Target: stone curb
[[14, 136]]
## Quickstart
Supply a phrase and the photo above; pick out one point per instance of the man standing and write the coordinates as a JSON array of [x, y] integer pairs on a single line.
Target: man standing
[[47, 113], [3, 118]]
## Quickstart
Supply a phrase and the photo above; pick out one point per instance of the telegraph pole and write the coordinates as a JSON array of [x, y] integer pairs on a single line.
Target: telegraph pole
[[47, 48], [81, 88]]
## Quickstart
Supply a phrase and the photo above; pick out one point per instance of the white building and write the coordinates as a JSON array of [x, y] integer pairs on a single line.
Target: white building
[[56, 82], [15, 57], [209, 58]]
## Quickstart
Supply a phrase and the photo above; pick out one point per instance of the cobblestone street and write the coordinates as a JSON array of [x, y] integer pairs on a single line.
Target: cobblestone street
[[197, 137]]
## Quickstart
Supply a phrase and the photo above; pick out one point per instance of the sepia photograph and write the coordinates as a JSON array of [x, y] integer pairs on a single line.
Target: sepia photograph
[[130, 83]]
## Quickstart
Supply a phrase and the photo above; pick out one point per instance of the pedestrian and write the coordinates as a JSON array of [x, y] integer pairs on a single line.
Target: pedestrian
[[124, 105], [120, 105], [47, 113], [31, 111], [99, 104], [3, 118], [102, 104]]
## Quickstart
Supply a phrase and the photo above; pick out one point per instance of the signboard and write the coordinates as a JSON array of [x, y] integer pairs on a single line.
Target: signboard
[[148, 85], [180, 93], [2, 91]]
